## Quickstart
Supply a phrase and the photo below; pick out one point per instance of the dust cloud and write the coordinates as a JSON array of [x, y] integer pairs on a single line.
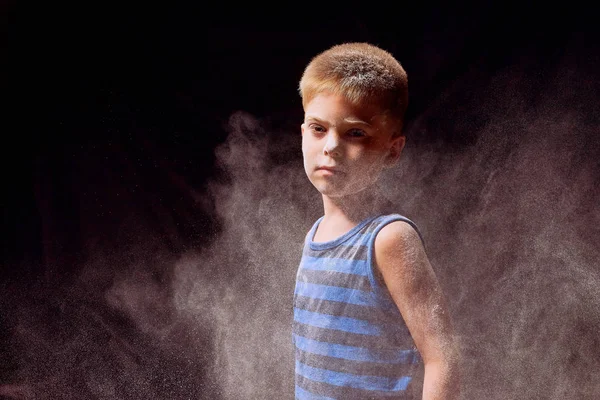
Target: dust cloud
[[511, 224], [510, 221], [512, 228]]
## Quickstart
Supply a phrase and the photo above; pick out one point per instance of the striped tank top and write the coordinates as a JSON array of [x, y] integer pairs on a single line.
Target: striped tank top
[[350, 339]]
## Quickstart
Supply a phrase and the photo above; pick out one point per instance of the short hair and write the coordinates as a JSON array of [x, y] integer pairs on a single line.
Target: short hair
[[361, 72]]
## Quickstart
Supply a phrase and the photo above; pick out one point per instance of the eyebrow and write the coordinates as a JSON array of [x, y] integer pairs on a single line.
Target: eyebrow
[[356, 122], [346, 120]]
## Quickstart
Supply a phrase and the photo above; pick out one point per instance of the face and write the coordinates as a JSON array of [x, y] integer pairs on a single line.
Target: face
[[346, 146]]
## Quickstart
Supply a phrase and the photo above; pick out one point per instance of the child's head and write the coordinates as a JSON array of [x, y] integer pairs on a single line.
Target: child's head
[[363, 74], [354, 97]]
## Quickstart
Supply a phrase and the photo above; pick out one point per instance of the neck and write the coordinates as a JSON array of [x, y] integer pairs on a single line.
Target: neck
[[356, 207]]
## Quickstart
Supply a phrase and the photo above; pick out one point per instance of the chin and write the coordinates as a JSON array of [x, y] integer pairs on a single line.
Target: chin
[[329, 190]]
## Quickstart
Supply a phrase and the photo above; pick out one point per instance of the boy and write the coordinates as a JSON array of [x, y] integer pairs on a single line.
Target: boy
[[368, 311]]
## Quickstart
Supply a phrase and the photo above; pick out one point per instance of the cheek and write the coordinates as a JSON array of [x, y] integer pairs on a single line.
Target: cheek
[[368, 165], [309, 148], [305, 152], [307, 156]]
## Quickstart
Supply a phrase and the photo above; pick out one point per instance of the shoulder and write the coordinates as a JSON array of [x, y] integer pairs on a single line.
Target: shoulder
[[397, 234], [398, 244]]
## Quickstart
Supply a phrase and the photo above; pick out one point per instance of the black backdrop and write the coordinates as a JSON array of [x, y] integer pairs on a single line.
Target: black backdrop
[[112, 122]]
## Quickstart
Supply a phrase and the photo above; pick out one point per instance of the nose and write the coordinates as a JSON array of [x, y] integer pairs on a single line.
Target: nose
[[332, 145]]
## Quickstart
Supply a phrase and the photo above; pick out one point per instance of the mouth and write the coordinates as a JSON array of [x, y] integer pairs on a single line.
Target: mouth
[[332, 170]]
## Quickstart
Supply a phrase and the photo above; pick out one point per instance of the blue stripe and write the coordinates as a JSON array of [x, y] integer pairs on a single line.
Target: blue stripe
[[302, 394], [339, 323], [390, 356], [351, 266], [354, 381], [357, 238], [335, 293]]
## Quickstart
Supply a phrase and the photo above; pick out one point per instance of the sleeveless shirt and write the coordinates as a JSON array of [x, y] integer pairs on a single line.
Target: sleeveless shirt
[[350, 339]]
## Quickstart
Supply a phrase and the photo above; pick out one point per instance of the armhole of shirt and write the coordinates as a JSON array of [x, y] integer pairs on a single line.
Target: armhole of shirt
[[379, 290]]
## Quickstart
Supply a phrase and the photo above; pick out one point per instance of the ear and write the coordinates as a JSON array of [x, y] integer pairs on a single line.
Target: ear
[[302, 129], [396, 146]]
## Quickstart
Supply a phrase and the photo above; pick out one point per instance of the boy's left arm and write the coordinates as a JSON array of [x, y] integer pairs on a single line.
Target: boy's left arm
[[411, 281]]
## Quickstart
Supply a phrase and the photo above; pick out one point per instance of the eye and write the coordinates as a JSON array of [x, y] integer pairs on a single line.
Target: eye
[[317, 128], [356, 133]]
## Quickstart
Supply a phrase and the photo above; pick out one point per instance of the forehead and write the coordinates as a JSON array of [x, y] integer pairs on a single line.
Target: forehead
[[334, 107]]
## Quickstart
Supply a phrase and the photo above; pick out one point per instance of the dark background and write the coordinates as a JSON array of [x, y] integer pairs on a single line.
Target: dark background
[[110, 123]]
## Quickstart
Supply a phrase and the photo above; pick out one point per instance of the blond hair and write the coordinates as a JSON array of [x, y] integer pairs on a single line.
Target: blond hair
[[362, 73]]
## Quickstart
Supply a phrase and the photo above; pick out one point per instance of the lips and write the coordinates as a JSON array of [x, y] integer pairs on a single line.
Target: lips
[[329, 169]]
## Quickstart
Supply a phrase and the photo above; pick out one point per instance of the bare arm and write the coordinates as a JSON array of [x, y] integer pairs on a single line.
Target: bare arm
[[411, 281]]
